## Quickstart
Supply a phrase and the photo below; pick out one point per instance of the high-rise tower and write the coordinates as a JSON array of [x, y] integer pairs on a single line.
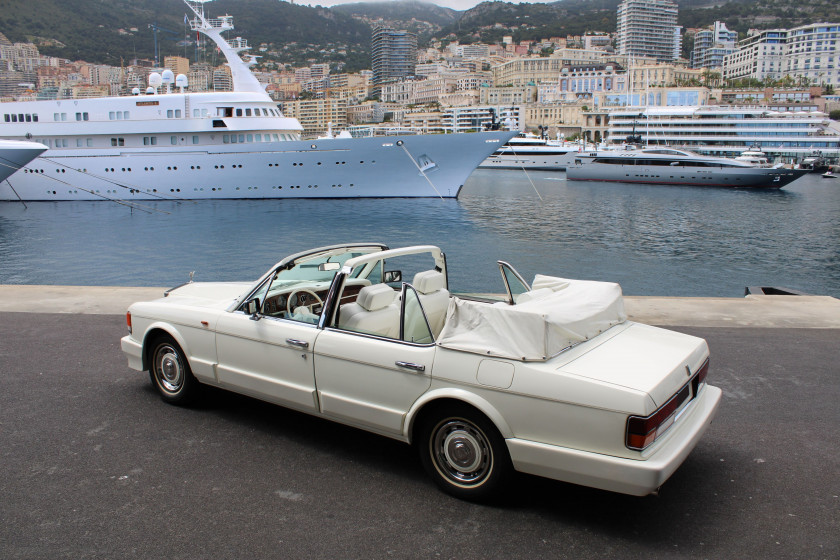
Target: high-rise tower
[[394, 55], [648, 28]]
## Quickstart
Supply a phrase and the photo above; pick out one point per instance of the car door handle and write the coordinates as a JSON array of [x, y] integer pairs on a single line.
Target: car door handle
[[409, 365], [298, 343]]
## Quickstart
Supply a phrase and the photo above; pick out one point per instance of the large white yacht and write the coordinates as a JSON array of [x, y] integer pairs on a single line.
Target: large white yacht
[[784, 136], [668, 166], [528, 151], [165, 144], [14, 155]]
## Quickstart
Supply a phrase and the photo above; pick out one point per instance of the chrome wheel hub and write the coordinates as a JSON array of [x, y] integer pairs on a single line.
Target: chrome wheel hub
[[461, 452], [168, 368]]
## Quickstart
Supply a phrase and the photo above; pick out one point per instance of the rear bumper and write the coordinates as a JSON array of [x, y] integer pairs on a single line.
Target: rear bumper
[[618, 474], [133, 351]]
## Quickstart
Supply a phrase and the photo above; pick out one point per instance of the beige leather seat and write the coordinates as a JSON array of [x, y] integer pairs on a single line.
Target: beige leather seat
[[434, 297], [373, 312]]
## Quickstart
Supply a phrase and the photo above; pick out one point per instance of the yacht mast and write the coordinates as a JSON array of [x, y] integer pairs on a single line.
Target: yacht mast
[[243, 79]]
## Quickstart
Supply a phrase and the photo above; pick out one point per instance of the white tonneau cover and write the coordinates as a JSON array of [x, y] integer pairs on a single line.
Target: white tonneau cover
[[556, 314]]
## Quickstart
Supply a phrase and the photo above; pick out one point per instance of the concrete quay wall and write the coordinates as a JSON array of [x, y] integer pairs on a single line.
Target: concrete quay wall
[[757, 311]]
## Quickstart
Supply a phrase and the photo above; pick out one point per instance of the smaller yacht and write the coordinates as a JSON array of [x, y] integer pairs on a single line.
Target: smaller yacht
[[528, 151], [669, 166], [15, 154]]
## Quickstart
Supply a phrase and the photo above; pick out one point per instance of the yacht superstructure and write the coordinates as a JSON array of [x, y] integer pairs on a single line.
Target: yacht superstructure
[[165, 144]]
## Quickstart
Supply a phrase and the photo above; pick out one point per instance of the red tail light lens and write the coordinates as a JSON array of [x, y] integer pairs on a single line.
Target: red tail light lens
[[643, 431], [128, 321]]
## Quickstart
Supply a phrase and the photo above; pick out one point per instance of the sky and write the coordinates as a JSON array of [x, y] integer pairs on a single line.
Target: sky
[[454, 4]]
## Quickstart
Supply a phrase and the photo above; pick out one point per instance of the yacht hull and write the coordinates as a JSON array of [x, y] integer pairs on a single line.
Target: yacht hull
[[14, 155], [765, 178], [324, 168]]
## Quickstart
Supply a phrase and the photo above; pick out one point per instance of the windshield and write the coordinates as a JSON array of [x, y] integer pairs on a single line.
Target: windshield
[[319, 267]]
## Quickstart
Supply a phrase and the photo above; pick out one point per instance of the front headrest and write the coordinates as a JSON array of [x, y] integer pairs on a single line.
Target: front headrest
[[376, 296], [429, 281]]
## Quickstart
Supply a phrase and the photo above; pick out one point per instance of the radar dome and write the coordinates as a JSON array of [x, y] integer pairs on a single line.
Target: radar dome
[[135, 91], [155, 80], [181, 81], [167, 76], [150, 90]]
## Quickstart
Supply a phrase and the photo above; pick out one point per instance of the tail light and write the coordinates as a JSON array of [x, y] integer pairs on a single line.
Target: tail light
[[643, 431], [128, 320]]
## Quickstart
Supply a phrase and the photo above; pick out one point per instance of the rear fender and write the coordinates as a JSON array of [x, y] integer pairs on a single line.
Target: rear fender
[[451, 394]]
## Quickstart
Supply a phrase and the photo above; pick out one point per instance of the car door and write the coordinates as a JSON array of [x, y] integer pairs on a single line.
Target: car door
[[267, 357], [372, 381]]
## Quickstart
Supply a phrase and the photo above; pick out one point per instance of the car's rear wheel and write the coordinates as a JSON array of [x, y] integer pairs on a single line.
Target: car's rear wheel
[[464, 453], [170, 372]]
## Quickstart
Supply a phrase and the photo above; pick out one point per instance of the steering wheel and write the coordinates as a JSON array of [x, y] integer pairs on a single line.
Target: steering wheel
[[293, 297]]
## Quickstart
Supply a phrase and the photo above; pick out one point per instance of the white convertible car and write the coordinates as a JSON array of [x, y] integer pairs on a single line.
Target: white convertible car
[[549, 379]]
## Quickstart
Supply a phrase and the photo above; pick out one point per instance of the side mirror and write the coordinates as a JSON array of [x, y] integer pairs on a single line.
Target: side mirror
[[253, 307], [391, 276]]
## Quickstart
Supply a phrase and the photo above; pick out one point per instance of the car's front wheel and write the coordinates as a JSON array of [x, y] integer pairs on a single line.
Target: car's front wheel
[[464, 453], [170, 372]]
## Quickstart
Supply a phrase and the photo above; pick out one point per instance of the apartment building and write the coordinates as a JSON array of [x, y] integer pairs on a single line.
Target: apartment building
[[648, 28], [812, 52], [513, 95], [711, 45], [393, 55], [522, 71], [316, 114], [178, 64], [758, 56]]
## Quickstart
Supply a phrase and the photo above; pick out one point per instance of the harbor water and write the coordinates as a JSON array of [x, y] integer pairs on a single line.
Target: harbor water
[[653, 240]]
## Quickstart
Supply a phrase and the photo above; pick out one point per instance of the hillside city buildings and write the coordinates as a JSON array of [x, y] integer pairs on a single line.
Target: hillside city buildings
[[566, 85]]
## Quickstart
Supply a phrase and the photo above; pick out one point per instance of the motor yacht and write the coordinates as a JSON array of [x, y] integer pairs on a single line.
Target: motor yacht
[[668, 166]]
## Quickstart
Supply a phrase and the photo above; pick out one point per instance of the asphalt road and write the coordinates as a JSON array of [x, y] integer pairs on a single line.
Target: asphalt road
[[95, 465]]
